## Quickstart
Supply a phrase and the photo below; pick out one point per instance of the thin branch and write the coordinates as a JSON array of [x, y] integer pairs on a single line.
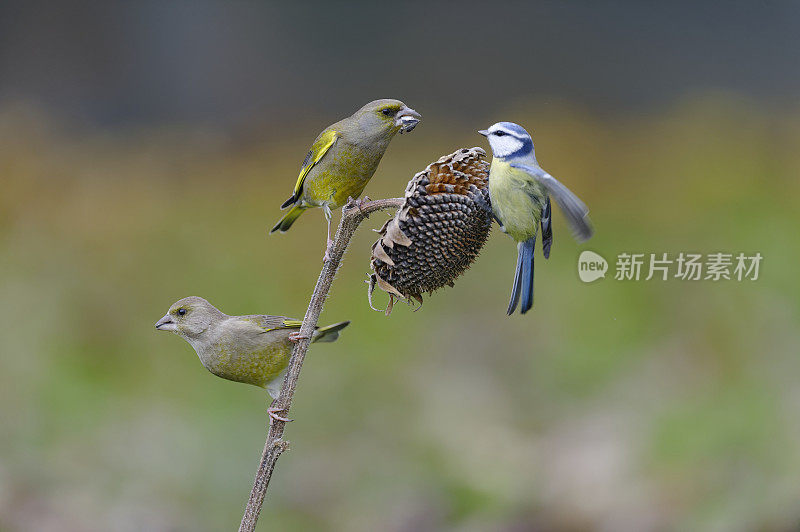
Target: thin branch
[[352, 216]]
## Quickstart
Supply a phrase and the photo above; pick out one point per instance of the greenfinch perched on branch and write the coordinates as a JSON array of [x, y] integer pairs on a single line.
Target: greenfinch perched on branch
[[344, 158], [253, 349]]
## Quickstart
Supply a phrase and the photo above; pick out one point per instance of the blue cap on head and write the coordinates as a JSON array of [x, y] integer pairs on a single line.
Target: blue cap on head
[[515, 129], [509, 140]]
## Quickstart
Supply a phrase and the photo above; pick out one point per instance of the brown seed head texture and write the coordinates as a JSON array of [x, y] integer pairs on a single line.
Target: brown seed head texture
[[439, 230]]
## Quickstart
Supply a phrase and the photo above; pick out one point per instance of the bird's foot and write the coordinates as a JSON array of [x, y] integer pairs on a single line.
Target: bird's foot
[[296, 337], [353, 203], [272, 412], [327, 256]]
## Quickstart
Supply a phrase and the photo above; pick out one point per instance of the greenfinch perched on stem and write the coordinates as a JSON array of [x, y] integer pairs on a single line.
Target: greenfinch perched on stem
[[520, 194], [344, 158], [253, 349]]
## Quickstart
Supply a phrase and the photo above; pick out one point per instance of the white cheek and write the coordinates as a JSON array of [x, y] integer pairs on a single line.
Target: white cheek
[[505, 145]]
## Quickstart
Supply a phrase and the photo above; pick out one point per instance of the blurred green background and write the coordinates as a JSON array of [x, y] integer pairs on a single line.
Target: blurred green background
[[145, 148]]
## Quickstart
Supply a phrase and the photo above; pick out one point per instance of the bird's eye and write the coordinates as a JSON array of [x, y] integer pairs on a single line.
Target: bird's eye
[[387, 112], [500, 133], [181, 311]]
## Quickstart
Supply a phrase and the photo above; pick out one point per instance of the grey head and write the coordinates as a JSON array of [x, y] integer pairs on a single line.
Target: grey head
[[189, 317], [380, 118]]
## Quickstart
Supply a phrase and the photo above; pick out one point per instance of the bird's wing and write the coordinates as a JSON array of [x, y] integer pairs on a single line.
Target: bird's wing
[[547, 228], [271, 323], [318, 150], [575, 210]]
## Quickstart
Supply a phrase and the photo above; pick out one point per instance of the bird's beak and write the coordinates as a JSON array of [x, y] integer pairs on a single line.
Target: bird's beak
[[407, 119], [166, 324], [484, 132]]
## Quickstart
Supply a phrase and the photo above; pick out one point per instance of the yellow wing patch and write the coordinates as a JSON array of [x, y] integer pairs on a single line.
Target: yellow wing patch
[[273, 323], [315, 155]]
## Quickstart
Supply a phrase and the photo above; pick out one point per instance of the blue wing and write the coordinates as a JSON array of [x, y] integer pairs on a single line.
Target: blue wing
[[575, 210], [547, 229]]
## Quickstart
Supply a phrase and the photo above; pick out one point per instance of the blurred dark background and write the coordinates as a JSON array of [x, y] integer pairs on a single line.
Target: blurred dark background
[[145, 148], [231, 63]]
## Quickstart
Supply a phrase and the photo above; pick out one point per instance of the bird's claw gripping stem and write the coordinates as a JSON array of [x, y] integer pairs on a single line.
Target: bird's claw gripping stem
[[296, 337], [353, 203], [272, 412], [327, 256]]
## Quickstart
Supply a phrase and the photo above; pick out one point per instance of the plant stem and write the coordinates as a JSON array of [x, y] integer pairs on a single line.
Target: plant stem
[[352, 216]]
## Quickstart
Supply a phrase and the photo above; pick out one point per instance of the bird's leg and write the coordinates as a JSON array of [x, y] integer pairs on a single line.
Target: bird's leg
[[296, 337], [272, 412], [329, 243], [502, 227]]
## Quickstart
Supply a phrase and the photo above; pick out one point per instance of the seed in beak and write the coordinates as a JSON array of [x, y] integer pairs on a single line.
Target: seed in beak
[[407, 119]]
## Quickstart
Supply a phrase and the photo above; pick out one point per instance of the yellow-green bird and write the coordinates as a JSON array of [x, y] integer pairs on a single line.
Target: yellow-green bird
[[253, 349], [344, 158]]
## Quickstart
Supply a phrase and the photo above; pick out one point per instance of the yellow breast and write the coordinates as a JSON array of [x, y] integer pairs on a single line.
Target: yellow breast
[[344, 175], [517, 200], [258, 366]]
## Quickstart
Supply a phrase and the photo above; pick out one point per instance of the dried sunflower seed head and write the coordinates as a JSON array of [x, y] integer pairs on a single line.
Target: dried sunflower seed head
[[439, 230]]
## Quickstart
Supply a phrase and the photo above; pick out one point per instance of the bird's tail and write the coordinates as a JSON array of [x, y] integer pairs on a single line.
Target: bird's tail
[[523, 278], [329, 333], [288, 219]]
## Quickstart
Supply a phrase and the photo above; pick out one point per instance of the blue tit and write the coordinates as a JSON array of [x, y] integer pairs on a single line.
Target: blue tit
[[520, 194]]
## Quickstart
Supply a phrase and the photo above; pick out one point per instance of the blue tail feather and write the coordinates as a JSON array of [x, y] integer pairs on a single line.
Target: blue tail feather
[[526, 252], [515, 290], [523, 278]]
